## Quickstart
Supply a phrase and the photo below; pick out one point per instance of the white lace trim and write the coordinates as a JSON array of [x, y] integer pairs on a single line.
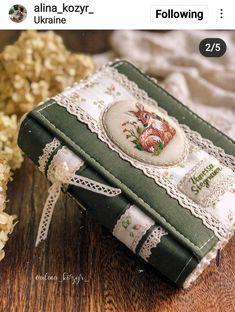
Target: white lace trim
[[46, 153], [61, 172], [195, 137], [151, 242], [211, 222], [53, 195]]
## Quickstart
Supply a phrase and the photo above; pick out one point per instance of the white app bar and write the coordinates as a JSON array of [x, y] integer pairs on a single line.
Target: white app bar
[[121, 14]]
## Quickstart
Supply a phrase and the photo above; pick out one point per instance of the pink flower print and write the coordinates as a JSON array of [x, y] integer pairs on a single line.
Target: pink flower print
[[231, 216], [75, 93], [75, 96], [137, 227], [112, 87], [111, 90], [232, 190]]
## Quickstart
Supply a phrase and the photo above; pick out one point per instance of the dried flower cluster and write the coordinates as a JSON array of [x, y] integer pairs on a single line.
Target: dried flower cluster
[[9, 150], [6, 221], [10, 158], [35, 67]]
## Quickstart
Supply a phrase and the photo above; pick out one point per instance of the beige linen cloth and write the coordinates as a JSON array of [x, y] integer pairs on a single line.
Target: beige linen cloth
[[206, 85]]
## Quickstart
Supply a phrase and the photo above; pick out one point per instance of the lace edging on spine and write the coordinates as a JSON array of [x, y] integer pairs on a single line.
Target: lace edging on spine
[[151, 242], [46, 153]]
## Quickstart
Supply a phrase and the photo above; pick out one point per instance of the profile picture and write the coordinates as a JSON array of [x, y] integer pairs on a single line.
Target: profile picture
[[17, 13]]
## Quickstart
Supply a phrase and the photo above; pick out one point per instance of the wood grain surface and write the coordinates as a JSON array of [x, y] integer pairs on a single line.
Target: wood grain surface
[[81, 267]]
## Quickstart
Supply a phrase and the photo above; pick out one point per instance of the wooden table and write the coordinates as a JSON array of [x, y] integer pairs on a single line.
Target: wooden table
[[81, 267]]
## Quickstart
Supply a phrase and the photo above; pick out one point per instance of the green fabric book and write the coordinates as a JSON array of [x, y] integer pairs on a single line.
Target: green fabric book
[[155, 174]]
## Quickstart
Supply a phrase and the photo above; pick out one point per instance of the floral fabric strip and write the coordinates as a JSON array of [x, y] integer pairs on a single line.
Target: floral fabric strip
[[132, 226]]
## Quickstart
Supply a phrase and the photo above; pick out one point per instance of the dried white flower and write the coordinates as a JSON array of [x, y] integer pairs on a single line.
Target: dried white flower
[[9, 151], [35, 67], [6, 221]]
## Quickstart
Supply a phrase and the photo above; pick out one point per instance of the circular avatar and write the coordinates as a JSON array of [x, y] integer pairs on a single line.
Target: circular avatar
[[17, 13]]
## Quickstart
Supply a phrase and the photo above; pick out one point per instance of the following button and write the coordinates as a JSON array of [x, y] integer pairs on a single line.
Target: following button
[[178, 13]]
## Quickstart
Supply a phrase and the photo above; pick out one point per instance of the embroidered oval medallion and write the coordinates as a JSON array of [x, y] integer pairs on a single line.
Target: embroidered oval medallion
[[145, 133]]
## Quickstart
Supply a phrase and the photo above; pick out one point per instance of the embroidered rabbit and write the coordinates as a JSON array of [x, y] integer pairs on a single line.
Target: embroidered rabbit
[[157, 131]]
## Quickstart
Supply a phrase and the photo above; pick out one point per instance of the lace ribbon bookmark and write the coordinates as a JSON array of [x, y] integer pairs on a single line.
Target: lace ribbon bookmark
[[62, 175]]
